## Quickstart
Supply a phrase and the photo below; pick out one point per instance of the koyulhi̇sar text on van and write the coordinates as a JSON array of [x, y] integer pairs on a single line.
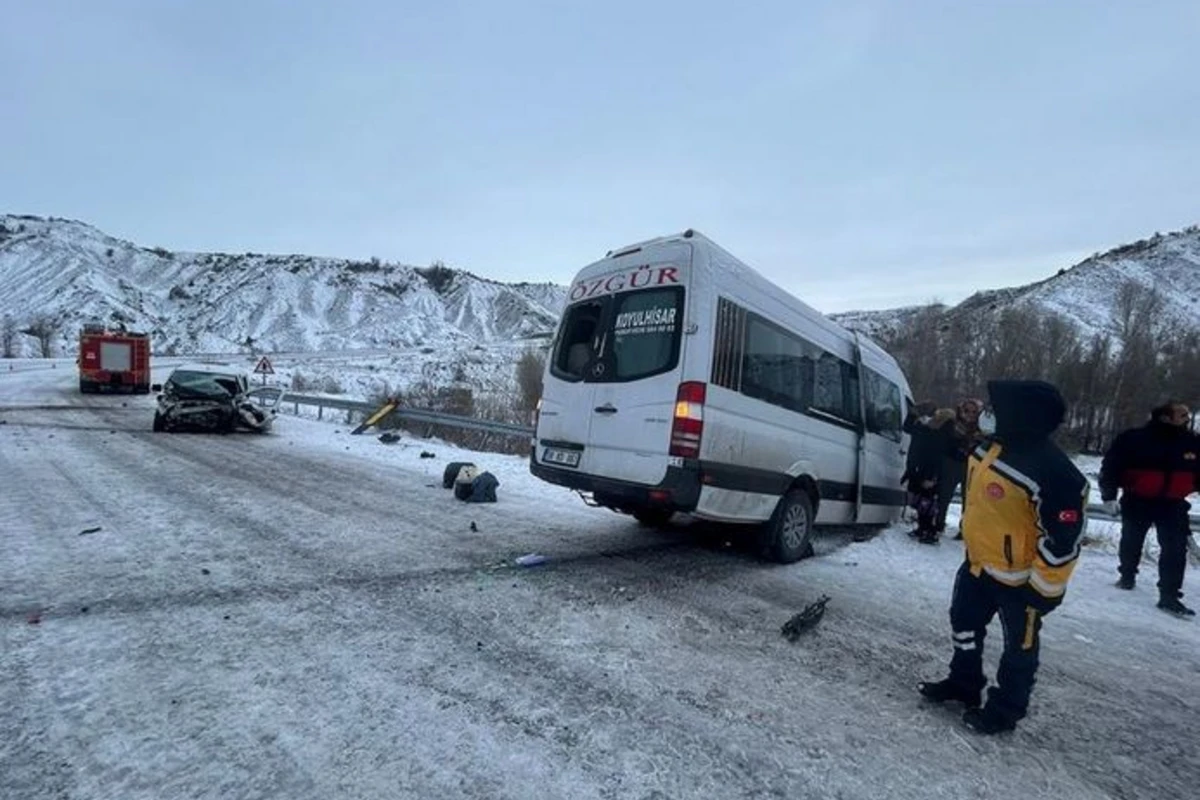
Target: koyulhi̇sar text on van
[[681, 380]]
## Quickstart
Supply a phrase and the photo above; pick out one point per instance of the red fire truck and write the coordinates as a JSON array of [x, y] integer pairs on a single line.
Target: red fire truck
[[113, 359]]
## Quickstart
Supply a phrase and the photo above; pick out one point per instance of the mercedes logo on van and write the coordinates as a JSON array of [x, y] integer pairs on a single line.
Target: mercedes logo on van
[[598, 369]]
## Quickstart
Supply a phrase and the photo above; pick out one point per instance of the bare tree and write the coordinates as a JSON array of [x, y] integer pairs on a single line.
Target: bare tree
[[45, 329], [529, 379], [8, 337], [1137, 309]]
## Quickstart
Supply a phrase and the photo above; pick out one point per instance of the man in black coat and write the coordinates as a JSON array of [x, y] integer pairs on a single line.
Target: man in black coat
[[927, 450], [1155, 467]]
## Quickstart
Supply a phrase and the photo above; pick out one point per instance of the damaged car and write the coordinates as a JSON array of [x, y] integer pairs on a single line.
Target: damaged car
[[208, 397]]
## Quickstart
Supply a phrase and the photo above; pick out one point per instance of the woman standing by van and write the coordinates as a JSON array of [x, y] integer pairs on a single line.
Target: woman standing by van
[[927, 461], [959, 439]]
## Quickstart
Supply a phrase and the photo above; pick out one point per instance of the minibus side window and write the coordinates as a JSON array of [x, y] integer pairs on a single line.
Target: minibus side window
[[883, 406], [836, 388]]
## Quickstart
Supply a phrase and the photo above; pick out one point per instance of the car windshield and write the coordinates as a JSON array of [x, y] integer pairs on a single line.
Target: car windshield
[[205, 384]]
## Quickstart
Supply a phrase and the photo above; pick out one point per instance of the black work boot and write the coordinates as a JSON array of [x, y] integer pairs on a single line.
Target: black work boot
[[1126, 582], [1173, 605], [987, 721], [947, 690]]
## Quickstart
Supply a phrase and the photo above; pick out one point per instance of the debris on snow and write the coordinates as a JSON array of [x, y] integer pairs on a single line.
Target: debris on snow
[[474, 527], [389, 437], [427, 454], [450, 473], [472, 488], [86, 531], [205, 571], [531, 560], [805, 621]]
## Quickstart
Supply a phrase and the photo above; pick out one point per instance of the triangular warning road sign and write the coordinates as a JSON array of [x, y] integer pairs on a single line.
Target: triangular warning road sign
[[264, 367]]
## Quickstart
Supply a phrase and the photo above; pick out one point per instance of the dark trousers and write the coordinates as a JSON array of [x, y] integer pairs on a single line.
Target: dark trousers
[[954, 474], [1170, 521], [976, 601], [926, 505]]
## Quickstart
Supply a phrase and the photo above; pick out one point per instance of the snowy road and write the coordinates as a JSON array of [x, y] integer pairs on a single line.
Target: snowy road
[[309, 615]]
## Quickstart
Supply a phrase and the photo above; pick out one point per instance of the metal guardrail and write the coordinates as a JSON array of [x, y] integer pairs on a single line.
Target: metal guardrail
[[509, 429], [1096, 511], [411, 414]]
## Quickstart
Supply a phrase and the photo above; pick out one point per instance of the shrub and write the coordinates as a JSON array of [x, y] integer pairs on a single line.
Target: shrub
[[438, 276], [530, 368]]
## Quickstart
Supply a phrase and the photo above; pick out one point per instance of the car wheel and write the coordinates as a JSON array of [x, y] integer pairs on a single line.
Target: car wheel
[[787, 536], [160, 424]]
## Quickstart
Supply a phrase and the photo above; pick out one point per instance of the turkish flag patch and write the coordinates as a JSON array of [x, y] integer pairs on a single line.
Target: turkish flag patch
[[1068, 515]]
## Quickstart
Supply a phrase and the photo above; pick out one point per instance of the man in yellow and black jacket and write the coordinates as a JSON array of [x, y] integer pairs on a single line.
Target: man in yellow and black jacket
[[1023, 518]]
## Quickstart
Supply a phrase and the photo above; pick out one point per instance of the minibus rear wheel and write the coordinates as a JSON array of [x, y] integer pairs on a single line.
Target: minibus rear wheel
[[788, 533]]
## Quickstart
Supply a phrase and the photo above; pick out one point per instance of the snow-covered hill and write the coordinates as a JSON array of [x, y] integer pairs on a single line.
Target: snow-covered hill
[[1086, 293], [220, 302]]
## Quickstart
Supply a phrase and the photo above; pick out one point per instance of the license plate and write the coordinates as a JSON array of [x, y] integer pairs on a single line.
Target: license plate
[[563, 458]]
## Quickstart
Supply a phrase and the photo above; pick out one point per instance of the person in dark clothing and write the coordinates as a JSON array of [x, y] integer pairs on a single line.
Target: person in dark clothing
[[915, 423], [958, 440], [1155, 467], [1023, 518], [926, 457]]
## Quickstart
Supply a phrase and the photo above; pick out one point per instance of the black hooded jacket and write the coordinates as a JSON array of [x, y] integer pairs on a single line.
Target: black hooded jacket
[[1156, 463], [1023, 514], [927, 449]]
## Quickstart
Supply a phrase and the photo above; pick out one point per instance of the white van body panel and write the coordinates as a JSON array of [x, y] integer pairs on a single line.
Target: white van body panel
[[752, 450], [624, 427]]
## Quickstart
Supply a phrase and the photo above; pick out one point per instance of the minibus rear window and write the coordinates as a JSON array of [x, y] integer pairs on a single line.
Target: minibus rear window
[[644, 328], [579, 338], [621, 337]]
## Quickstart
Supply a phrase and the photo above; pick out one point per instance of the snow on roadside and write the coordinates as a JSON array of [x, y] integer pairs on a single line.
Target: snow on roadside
[[516, 481]]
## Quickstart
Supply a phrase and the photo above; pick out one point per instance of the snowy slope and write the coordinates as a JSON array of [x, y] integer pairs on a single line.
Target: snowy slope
[[211, 302], [1086, 292], [881, 325]]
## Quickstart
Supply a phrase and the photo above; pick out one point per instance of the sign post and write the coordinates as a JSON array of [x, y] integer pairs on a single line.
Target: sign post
[[264, 368]]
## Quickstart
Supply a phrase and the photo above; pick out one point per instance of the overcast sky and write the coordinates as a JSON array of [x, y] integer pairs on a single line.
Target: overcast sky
[[861, 154]]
